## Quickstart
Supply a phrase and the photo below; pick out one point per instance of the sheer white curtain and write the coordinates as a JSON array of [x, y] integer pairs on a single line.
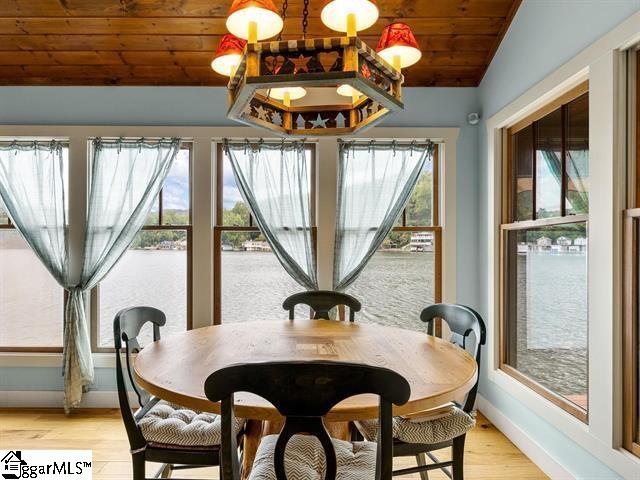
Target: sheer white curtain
[[275, 182], [375, 181], [126, 176], [34, 190]]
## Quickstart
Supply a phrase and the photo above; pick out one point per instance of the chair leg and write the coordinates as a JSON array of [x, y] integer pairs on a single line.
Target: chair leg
[[458, 457], [139, 472], [166, 471], [421, 458]]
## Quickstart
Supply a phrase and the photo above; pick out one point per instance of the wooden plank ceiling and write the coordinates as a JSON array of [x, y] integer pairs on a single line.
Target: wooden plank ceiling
[[171, 42]]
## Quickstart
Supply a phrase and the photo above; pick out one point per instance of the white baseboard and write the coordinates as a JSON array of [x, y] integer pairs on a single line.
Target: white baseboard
[[54, 399], [520, 439]]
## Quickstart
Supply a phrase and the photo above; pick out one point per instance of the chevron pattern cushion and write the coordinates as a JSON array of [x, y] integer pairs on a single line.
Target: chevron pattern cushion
[[429, 432], [172, 424], [304, 459]]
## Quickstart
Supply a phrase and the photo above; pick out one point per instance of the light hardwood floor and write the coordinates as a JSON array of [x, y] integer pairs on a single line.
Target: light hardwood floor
[[489, 454]]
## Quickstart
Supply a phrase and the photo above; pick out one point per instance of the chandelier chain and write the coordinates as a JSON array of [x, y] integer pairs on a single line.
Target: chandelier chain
[[285, 5], [305, 19]]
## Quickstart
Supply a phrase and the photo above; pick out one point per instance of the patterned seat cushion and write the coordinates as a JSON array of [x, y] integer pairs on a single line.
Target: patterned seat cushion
[[304, 459], [171, 424], [429, 432]]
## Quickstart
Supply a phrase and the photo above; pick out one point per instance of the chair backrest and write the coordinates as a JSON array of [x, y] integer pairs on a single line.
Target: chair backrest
[[462, 321], [126, 328], [321, 302], [304, 392]]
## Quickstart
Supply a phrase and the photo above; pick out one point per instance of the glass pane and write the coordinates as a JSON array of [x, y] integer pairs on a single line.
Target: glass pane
[[4, 219], [153, 217], [420, 205], [547, 312], [235, 211], [522, 144], [31, 301], [577, 200], [175, 191], [254, 284], [398, 282], [549, 165], [153, 273]]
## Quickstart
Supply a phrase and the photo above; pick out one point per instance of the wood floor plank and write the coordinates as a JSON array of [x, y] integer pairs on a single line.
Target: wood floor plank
[[489, 454]]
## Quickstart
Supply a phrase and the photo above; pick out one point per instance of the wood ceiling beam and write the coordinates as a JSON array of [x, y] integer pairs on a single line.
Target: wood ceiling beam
[[208, 43], [214, 26], [208, 8], [187, 58]]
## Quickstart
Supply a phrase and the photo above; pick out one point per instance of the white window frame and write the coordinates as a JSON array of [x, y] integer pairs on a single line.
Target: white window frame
[[602, 65], [203, 140]]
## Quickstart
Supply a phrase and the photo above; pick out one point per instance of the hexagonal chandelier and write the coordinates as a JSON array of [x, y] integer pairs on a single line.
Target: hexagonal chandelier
[[326, 86]]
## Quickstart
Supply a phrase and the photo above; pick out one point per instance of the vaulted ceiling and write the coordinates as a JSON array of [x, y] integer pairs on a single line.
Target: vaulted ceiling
[[171, 42]]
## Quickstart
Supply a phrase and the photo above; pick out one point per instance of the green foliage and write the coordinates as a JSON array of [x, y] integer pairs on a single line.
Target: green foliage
[[419, 207], [238, 216], [419, 213]]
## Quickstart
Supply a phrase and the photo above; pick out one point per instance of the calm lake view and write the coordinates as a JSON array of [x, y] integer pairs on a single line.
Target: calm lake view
[[393, 289]]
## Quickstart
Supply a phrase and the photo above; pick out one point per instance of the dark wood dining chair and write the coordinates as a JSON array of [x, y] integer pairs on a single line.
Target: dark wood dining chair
[[421, 439], [304, 392], [159, 431], [321, 302]]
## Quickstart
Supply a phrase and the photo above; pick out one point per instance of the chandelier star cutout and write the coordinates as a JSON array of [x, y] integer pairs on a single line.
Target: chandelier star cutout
[[262, 113], [300, 63], [319, 122]]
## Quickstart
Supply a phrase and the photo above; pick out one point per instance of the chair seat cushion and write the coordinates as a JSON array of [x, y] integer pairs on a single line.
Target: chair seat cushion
[[429, 432], [304, 459], [170, 424]]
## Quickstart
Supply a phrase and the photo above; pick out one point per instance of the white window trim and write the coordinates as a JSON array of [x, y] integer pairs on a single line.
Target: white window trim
[[601, 65], [203, 207]]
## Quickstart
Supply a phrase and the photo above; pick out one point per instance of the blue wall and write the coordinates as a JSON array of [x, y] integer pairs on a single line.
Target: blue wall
[[200, 106], [544, 35]]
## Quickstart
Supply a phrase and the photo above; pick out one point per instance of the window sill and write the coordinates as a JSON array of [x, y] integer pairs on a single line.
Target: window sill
[[37, 359]]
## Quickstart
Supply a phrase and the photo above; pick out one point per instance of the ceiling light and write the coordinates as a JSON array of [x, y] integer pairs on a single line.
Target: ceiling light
[[398, 46], [228, 55], [337, 14], [254, 20]]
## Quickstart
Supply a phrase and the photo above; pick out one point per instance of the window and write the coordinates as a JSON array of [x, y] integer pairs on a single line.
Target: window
[[404, 275], [244, 266], [156, 269], [544, 252], [631, 332], [28, 322]]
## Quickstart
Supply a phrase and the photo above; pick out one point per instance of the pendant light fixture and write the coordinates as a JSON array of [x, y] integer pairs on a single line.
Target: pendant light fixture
[[349, 16], [268, 78], [228, 55], [254, 20], [398, 46]]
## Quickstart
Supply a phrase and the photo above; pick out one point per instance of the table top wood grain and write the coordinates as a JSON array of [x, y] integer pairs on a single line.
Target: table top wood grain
[[175, 368]]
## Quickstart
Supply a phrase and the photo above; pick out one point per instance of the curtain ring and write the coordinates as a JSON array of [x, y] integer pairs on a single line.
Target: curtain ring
[[393, 147]]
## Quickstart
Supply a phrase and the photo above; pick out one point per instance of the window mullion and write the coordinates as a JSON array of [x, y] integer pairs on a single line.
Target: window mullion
[[563, 161], [534, 171]]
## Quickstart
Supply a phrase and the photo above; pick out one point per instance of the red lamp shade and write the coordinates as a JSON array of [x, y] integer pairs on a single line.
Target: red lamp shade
[[398, 45], [228, 54], [263, 14]]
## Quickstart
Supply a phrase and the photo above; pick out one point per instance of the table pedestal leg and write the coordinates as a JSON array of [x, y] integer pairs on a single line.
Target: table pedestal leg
[[256, 429]]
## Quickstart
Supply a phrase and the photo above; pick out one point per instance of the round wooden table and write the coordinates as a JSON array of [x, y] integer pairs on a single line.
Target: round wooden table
[[175, 368]]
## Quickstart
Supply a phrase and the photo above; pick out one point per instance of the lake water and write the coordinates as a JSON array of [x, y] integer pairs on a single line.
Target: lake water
[[393, 289]]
